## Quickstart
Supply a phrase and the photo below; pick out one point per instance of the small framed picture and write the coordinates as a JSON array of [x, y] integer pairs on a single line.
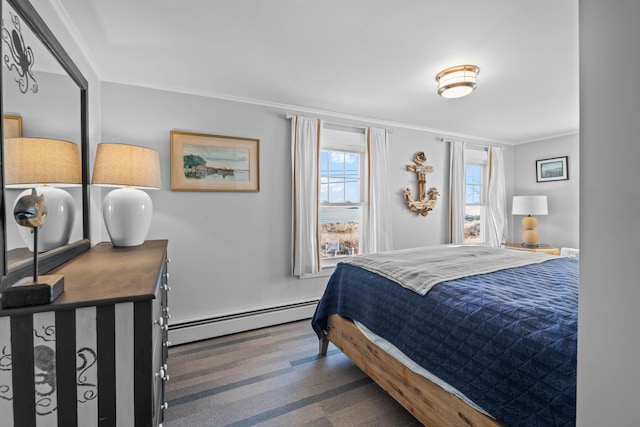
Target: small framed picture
[[201, 162], [555, 169], [12, 126]]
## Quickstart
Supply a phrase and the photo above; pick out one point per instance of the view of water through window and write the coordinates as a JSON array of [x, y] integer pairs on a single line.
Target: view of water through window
[[339, 231]]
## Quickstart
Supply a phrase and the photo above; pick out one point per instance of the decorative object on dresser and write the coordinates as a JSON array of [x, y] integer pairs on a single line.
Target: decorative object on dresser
[[99, 351], [30, 212], [201, 162], [47, 165], [127, 211], [458, 81], [426, 199], [555, 169], [529, 206]]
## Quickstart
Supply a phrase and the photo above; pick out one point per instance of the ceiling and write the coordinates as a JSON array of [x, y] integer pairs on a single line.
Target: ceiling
[[370, 60]]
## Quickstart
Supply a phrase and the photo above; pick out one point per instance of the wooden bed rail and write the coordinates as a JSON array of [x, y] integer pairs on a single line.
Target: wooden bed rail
[[428, 402]]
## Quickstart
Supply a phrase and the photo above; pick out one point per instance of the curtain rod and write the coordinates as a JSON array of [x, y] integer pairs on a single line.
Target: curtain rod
[[290, 116], [484, 147]]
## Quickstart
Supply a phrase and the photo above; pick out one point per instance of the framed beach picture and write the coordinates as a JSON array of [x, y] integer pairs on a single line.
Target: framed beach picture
[[12, 126], [201, 162], [555, 169]]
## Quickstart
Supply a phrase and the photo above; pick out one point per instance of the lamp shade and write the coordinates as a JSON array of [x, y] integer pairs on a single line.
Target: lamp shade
[[529, 205], [44, 164], [458, 81], [123, 165], [37, 161], [127, 211]]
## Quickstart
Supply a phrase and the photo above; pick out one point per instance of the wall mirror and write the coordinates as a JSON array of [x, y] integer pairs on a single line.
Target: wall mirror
[[44, 96]]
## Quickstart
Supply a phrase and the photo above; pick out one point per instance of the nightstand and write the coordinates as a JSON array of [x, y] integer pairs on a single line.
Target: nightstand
[[548, 249]]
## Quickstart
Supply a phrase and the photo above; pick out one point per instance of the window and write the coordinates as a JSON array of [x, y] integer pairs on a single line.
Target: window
[[475, 195], [341, 193]]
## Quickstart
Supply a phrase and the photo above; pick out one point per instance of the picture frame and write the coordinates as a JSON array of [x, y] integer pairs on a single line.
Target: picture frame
[[12, 126], [202, 162], [553, 169]]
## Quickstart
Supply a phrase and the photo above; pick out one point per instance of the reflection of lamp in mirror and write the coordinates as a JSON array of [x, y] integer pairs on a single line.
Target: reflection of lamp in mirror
[[127, 211], [529, 205], [45, 164]]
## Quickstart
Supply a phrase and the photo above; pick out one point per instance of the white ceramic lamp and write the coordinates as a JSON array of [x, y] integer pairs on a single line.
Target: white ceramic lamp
[[45, 164], [529, 206], [127, 211]]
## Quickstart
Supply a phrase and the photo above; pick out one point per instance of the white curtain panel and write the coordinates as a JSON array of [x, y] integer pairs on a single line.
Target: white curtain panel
[[376, 224], [305, 147], [456, 192], [496, 224]]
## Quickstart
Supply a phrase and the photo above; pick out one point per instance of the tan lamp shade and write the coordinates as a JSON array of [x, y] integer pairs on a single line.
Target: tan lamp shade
[[126, 165], [32, 161]]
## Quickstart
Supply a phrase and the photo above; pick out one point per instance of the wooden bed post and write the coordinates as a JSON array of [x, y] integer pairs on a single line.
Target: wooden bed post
[[324, 343]]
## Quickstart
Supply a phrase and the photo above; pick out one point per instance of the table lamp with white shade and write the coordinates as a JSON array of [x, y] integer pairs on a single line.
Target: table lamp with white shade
[[46, 165], [529, 206], [127, 210]]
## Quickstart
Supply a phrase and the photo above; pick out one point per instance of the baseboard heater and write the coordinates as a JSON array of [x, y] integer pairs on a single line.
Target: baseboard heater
[[201, 329]]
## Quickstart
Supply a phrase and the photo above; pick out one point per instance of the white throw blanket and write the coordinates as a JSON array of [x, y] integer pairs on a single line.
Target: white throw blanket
[[420, 269]]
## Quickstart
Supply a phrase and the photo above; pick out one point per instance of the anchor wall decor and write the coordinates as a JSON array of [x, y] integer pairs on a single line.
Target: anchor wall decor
[[426, 199]]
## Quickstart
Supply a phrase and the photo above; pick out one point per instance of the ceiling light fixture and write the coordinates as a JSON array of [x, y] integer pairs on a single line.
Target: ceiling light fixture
[[458, 81]]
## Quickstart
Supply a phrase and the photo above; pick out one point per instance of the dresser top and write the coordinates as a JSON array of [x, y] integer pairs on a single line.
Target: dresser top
[[106, 274]]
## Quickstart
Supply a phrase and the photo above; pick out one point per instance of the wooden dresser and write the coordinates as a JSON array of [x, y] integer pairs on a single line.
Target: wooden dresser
[[97, 355]]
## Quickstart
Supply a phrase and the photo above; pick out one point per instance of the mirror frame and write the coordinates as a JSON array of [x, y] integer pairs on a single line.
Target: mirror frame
[[53, 258]]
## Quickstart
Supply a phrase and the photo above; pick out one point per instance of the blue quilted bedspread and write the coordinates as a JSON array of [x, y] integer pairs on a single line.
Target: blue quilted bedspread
[[506, 340]]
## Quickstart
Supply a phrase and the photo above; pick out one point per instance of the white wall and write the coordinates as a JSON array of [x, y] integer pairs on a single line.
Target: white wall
[[609, 318], [231, 251], [561, 227]]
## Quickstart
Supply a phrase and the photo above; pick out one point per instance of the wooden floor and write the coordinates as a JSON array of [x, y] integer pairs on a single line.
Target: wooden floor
[[273, 377]]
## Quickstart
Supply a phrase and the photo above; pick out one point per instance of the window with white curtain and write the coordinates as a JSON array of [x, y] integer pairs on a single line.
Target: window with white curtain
[[342, 193], [475, 165]]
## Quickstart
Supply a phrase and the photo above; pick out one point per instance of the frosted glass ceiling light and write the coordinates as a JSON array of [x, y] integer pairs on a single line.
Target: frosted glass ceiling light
[[458, 81]]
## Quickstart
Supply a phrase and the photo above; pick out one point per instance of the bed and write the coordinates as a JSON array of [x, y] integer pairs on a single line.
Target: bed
[[459, 335]]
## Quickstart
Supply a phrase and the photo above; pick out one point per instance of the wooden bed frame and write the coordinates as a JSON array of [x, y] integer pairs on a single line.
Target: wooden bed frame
[[428, 402]]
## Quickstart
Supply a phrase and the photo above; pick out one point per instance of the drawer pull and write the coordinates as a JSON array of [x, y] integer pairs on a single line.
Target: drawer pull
[[161, 373], [165, 405], [167, 344], [167, 287], [160, 321]]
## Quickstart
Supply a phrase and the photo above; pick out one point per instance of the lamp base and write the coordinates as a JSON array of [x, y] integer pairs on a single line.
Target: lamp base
[[529, 235], [127, 215], [534, 246]]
